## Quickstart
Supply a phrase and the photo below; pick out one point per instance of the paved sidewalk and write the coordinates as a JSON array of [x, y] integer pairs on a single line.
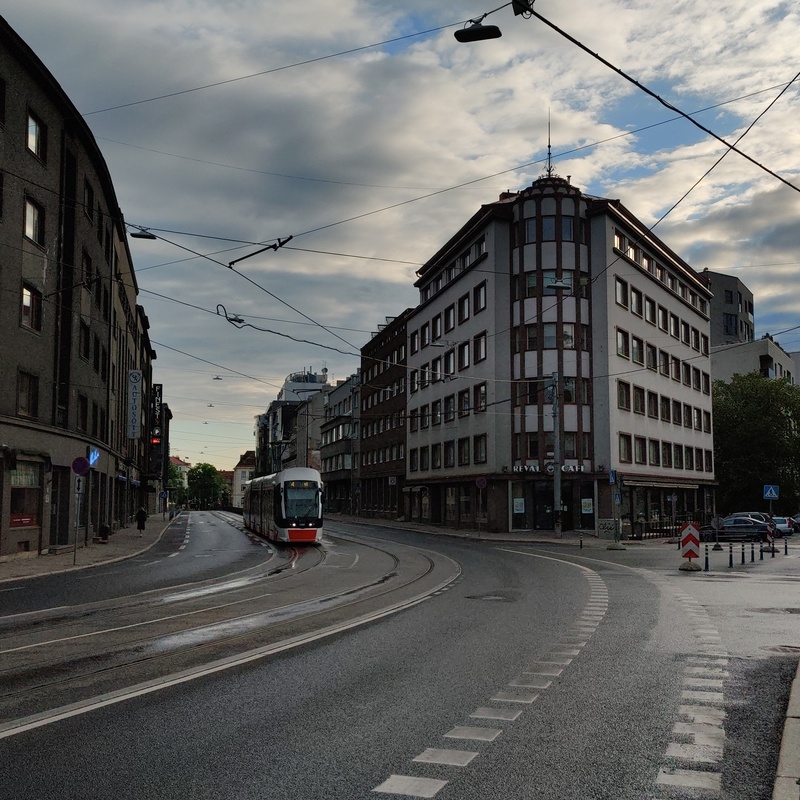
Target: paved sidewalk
[[126, 542]]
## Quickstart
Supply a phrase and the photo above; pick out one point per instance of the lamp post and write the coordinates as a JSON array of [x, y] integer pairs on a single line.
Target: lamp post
[[556, 458]]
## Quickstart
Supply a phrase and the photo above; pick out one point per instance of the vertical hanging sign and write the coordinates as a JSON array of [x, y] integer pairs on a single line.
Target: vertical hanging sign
[[134, 425]]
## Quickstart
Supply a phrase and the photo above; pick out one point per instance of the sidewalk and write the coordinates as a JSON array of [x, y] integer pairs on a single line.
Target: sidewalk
[[126, 542]]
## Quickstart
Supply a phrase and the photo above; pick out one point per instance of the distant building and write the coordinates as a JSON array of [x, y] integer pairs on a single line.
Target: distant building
[[732, 318], [764, 356], [380, 491], [339, 447], [273, 429], [242, 472], [183, 467]]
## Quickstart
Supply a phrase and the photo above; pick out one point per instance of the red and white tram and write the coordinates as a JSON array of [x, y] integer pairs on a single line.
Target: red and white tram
[[285, 507]]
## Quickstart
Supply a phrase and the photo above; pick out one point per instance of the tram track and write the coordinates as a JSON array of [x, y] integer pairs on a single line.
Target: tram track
[[44, 666]]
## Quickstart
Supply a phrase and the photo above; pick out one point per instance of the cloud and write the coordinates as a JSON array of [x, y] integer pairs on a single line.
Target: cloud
[[357, 155]]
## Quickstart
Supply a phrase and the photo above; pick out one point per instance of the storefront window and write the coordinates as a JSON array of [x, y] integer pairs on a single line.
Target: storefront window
[[26, 495]]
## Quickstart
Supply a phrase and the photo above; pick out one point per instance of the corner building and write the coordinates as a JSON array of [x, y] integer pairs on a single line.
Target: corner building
[[576, 351]]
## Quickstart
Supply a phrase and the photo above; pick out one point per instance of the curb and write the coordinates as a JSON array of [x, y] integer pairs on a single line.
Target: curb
[[788, 774]]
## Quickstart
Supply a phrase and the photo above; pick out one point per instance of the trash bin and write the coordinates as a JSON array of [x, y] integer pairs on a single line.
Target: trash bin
[[104, 532]]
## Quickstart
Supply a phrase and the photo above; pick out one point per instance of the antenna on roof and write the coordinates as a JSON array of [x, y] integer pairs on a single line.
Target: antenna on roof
[[550, 168]]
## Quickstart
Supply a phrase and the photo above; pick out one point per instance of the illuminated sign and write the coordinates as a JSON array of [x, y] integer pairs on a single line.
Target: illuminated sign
[[134, 418]]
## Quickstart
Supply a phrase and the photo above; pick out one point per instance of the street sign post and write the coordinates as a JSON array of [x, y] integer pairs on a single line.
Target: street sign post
[[690, 546]]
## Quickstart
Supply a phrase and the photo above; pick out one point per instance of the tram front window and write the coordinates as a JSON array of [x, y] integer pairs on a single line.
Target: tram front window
[[301, 502]]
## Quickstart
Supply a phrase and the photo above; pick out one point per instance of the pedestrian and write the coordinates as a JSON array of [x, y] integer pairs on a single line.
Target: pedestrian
[[141, 518]]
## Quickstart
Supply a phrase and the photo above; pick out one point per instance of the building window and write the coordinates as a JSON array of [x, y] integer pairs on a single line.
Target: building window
[[707, 424], [424, 458], [650, 310], [479, 397], [652, 357], [479, 347], [414, 342], [688, 458], [625, 448], [479, 297], [666, 408], [654, 452], [652, 405], [450, 362], [640, 449], [449, 318], [85, 342], [463, 308], [548, 228], [677, 456], [425, 335], [674, 326], [663, 319], [637, 302], [638, 400], [436, 327], [621, 293], [663, 363], [27, 395], [413, 459], [463, 355], [436, 412], [463, 452], [463, 403], [450, 453], [34, 221], [568, 335], [436, 456], [623, 344], [637, 350], [709, 459], [424, 416], [37, 136], [479, 448], [531, 282], [31, 308], [450, 408], [666, 454], [549, 337], [687, 415]]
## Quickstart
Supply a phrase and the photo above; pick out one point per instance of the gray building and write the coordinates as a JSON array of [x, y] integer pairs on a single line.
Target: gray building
[[74, 344], [732, 313]]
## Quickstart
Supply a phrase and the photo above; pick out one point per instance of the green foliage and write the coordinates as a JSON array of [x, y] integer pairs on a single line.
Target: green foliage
[[207, 487], [178, 494], [756, 442]]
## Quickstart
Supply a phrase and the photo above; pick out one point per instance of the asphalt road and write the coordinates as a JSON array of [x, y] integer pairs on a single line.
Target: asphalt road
[[539, 672]]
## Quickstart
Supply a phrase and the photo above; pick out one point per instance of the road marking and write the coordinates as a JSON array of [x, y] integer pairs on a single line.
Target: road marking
[[412, 787], [702, 754], [531, 682], [468, 732], [453, 758], [512, 697], [506, 714], [690, 779]]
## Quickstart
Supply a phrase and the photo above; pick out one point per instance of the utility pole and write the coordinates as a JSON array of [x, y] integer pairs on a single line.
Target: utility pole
[[556, 457]]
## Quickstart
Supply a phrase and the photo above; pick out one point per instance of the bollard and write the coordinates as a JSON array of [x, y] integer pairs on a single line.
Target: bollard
[[742, 552], [706, 569], [581, 542], [772, 547], [752, 552], [786, 545], [730, 555], [761, 552]]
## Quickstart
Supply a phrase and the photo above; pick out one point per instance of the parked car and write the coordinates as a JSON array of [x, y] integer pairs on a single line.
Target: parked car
[[757, 515], [785, 526], [738, 529]]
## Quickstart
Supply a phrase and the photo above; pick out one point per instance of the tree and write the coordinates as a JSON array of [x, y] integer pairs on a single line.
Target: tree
[[206, 486], [178, 494], [756, 442]]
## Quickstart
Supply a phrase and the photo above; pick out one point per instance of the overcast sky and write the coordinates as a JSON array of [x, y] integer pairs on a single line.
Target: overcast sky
[[232, 123]]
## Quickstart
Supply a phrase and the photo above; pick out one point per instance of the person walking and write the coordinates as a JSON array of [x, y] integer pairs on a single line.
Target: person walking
[[141, 518]]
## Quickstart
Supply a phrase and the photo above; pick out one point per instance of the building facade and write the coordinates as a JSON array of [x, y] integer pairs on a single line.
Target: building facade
[[559, 346], [243, 472], [339, 446], [74, 344], [732, 311], [380, 491]]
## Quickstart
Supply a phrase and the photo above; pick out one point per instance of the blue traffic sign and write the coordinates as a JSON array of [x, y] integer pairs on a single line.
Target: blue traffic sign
[[771, 492]]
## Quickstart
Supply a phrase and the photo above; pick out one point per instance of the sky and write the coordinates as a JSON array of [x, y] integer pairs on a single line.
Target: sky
[[363, 130]]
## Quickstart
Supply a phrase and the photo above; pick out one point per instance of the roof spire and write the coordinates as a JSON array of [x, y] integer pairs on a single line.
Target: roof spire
[[550, 169]]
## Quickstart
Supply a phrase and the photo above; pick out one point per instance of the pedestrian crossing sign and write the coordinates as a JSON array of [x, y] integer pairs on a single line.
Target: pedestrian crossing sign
[[771, 492]]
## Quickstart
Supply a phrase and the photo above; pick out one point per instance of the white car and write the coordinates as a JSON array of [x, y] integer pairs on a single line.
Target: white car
[[784, 525]]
